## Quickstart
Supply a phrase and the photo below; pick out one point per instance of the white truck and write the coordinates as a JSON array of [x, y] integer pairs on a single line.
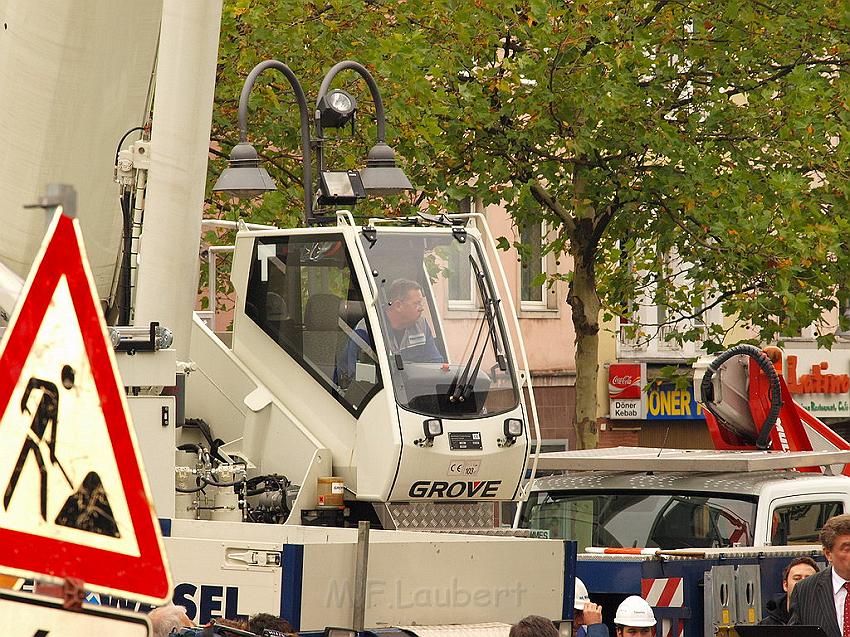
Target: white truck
[[680, 499], [712, 528]]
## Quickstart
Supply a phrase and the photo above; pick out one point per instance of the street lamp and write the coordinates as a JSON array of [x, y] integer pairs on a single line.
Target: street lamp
[[244, 177], [381, 175]]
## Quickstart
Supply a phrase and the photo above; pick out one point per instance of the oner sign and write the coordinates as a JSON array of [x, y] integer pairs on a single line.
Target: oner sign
[[667, 402]]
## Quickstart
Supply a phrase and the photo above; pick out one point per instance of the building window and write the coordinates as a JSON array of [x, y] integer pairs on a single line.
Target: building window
[[533, 268]]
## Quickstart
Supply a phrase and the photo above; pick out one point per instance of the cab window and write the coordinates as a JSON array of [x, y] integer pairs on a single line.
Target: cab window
[[302, 292], [643, 519], [800, 523]]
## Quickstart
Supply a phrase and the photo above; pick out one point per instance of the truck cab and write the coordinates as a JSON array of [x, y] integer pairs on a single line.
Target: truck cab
[[359, 351], [655, 506]]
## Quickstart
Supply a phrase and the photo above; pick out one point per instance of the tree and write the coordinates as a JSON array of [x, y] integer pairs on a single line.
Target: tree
[[695, 151]]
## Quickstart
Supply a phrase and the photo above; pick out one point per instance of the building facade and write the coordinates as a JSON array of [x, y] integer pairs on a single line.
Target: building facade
[[545, 322]]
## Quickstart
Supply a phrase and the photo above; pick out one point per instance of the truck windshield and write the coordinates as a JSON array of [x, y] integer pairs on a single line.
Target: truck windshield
[[647, 520], [442, 323]]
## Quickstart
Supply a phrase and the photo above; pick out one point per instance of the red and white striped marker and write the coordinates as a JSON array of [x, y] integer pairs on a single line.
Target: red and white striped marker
[[607, 550], [665, 592]]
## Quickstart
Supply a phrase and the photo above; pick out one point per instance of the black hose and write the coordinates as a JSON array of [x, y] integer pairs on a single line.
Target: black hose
[[126, 135], [195, 490], [200, 487], [215, 443], [707, 390], [125, 273], [281, 481], [213, 483]]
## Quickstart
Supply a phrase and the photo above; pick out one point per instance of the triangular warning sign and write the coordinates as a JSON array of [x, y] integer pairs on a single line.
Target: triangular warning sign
[[74, 500]]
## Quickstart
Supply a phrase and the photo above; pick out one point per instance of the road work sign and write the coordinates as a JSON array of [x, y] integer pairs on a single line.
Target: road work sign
[[74, 500], [23, 615]]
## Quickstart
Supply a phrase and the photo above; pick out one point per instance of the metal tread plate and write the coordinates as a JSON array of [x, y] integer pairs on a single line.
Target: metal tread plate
[[686, 460], [432, 516], [491, 629]]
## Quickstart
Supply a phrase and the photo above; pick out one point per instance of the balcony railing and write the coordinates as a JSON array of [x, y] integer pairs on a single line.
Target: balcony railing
[[655, 344]]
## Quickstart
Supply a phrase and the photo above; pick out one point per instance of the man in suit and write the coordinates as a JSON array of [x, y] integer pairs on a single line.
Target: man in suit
[[778, 609], [822, 599]]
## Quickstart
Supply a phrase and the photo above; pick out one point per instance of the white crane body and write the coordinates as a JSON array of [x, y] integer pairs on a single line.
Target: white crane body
[[321, 408]]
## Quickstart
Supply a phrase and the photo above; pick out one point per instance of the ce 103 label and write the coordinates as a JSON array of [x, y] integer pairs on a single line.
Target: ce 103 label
[[464, 468]]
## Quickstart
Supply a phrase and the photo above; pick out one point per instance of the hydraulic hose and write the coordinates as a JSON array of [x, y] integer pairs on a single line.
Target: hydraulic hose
[[195, 490], [707, 390], [213, 483]]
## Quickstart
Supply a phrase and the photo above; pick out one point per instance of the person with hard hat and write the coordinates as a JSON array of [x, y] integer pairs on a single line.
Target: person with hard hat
[[634, 618], [587, 618]]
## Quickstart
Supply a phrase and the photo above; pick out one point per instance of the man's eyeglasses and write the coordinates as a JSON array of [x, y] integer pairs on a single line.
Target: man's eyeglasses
[[420, 303]]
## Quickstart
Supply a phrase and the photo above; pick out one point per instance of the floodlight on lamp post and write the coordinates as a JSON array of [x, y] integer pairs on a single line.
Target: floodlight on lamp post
[[381, 175], [244, 177], [336, 109]]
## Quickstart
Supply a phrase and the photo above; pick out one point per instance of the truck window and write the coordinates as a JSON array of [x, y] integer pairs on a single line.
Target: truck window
[[441, 365], [302, 292], [800, 523], [652, 520]]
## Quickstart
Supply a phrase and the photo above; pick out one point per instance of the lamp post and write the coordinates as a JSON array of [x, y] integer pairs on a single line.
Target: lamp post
[[245, 177]]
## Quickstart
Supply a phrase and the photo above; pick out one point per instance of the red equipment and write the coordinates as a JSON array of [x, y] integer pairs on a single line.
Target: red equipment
[[785, 425]]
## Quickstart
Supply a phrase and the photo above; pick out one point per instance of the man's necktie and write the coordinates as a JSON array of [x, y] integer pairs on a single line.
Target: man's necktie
[[845, 631]]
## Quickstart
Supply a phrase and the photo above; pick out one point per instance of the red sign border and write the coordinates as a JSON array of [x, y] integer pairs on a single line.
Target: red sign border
[[145, 577]]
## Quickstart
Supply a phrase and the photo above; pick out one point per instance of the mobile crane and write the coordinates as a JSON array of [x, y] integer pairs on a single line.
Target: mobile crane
[[264, 448]]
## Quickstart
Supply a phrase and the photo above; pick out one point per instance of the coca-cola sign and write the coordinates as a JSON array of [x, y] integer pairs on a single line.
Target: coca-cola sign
[[625, 380]]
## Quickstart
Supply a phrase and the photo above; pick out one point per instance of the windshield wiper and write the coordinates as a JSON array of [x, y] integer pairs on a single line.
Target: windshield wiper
[[464, 381], [489, 304]]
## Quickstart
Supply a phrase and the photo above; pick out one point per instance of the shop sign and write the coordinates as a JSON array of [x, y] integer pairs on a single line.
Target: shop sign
[[668, 402], [819, 381], [625, 390]]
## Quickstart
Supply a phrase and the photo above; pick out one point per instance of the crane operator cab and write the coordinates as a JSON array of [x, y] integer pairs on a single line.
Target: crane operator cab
[[391, 347]]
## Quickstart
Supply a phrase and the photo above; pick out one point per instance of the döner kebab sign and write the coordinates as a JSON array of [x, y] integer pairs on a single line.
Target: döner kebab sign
[[625, 390]]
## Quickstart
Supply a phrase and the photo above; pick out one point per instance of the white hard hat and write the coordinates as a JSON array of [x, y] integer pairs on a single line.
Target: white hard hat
[[581, 596], [635, 612]]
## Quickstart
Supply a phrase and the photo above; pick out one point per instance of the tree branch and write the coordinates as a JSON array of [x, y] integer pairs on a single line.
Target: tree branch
[[542, 196]]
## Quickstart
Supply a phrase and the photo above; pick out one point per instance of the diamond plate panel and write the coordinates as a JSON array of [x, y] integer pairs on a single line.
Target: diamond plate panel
[[432, 516], [493, 629]]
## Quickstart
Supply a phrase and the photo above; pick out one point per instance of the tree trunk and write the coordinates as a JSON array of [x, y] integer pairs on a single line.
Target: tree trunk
[[580, 226], [585, 305]]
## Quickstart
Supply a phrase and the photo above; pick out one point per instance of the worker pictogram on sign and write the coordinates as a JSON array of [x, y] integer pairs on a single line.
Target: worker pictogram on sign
[[75, 501]]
